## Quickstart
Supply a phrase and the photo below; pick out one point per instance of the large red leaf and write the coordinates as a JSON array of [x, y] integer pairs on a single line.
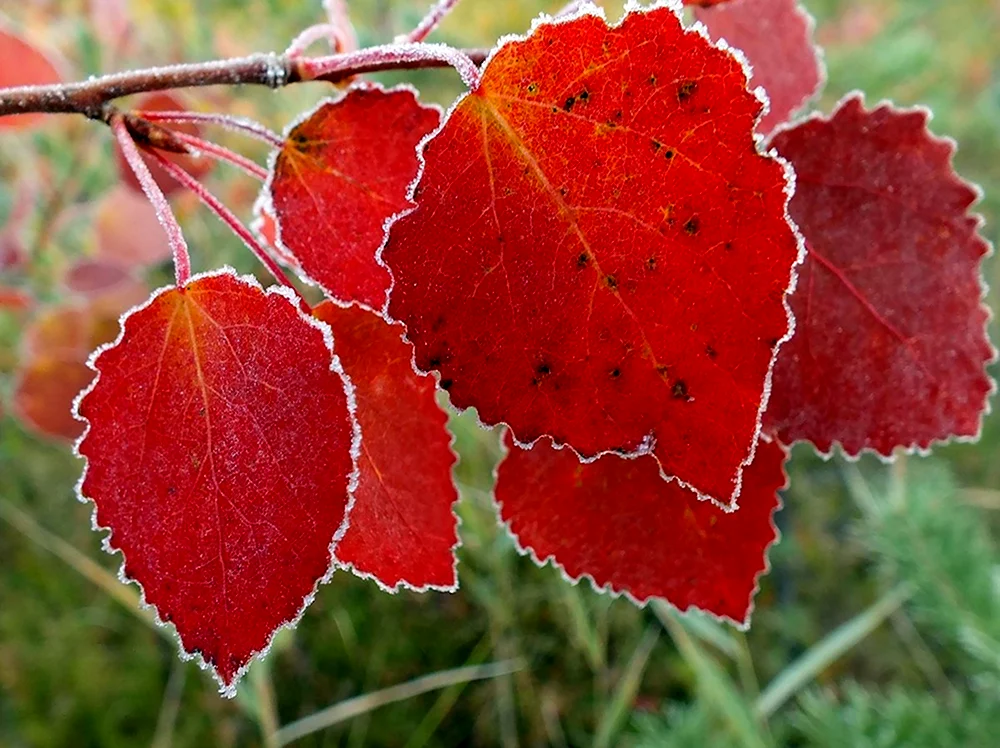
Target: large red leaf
[[402, 529], [343, 171], [890, 340], [618, 523], [599, 252], [23, 64], [219, 454], [776, 37]]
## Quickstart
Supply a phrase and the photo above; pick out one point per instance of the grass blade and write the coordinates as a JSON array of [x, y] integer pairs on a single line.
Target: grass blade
[[714, 683], [833, 646], [621, 702], [83, 565], [345, 710]]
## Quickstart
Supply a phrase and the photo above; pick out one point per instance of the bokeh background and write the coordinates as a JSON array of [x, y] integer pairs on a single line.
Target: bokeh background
[[879, 624]]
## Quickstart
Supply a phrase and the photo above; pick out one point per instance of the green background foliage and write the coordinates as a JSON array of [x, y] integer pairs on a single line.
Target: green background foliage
[[879, 624]]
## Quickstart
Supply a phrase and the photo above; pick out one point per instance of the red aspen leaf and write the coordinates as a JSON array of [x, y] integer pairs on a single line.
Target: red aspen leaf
[[12, 250], [265, 227], [599, 252], [127, 231], [777, 38], [343, 171], [617, 522], [23, 64], [53, 365], [160, 101], [890, 341], [112, 24], [402, 529], [94, 279], [43, 396], [15, 299], [220, 455]]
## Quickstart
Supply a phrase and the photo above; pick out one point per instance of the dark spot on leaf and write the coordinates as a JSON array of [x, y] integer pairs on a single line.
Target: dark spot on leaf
[[563, 191], [171, 490], [712, 353], [772, 342], [692, 226], [657, 145], [532, 88], [680, 390], [568, 106], [611, 282], [446, 384], [728, 245], [433, 362], [651, 263], [652, 80], [438, 324], [583, 260], [615, 373], [541, 371], [669, 154], [584, 95], [686, 90]]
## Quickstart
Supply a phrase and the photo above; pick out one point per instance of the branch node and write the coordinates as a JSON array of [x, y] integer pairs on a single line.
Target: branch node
[[277, 70]]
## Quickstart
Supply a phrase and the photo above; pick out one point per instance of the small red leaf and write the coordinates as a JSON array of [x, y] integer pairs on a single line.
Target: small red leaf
[[265, 227], [890, 340], [164, 102], [15, 299], [90, 278], [776, 37], [342, 173], [23, 64], [617, 522], [53, 365], [402, 528], [219, 454], [127, 230], [599, 252]]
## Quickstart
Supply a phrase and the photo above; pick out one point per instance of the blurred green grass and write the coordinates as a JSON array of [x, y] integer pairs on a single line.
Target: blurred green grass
[[77, 668]]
